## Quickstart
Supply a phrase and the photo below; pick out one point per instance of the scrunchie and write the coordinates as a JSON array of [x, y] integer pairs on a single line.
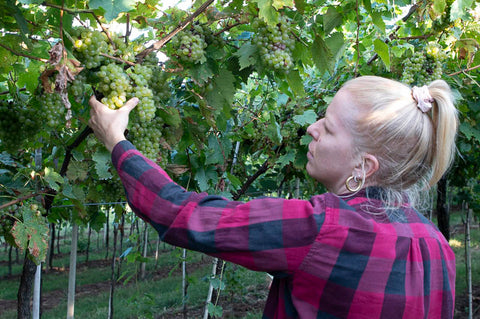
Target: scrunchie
[[423, 98]]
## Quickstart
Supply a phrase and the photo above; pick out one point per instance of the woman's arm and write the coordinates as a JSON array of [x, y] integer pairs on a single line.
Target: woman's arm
[[268, 234]]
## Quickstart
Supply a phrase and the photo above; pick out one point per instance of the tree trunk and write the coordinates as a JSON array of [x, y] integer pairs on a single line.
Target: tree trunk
[[51, 251], [72, 273], [184, 283], [10, 261], [145, 250], [25, 289], [89, 234], [122, 234], [36, 292], [468, 263], [157, 248], [443, 214], [58, 240], [107, 230], [112, 279]]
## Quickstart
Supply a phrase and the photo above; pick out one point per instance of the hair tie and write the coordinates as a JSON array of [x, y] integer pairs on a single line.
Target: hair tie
[[423, 98]]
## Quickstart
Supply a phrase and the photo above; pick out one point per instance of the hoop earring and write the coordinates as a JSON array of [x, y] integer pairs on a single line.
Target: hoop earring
[[355, 179]]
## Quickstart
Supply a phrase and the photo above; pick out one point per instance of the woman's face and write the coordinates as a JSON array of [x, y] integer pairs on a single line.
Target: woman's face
[[330, 153]]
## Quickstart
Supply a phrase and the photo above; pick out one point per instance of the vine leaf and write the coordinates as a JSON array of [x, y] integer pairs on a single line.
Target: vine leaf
[[308, 117], [53, 179], [459, 9], [102, 160], [246, 55], [112, 7], [32, 234], [267, 12], [321, 54], [381, 48]]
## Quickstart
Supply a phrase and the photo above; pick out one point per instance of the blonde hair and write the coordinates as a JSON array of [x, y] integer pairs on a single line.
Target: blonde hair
[[414, 149]]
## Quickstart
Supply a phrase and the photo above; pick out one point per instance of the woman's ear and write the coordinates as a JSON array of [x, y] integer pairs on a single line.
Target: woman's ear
[[368, 167]]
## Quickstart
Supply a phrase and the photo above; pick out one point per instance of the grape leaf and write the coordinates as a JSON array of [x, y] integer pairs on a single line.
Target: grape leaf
[[286, 158], [31, 234], [214, 153], [77, 171], [469, 131], [439, 6], [336, 44], [296, 83], [331, 19], [381, 48], [112, 7], [308, 117], [305, 140], [102, 163], [246, 55], [459, 9], [279, 4], [267, 12], [223, 90], [53, 179], [321, 54], [378, 20]]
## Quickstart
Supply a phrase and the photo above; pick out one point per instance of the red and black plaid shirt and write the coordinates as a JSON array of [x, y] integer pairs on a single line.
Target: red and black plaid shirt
[[330, 257]]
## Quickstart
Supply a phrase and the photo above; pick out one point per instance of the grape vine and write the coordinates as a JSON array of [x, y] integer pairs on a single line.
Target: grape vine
[[275, 43], [424, 66]]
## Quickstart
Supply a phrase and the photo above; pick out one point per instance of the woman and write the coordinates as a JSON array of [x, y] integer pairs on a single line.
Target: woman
[[359, 251]]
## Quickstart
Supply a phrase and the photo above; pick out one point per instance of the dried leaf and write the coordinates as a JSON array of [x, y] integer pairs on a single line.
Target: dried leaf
[[56, 53]]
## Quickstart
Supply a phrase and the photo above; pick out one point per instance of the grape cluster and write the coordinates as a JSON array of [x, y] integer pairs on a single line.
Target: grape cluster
[[79, 87], [159, 85], [146, 136], [17, 124], [275, 43], [424, 66], [114, 85], [90, 46], [189, 45], [53, 109], [147, 81]]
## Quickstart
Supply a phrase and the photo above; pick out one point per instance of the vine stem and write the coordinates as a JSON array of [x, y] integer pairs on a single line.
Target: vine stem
[[23, 54], [21, 199], [159, 44], [465, 70], [413, 8]]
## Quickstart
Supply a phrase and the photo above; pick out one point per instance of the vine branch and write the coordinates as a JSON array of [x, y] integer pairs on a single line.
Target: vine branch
[[465, 70], [250, 180], [22, 54], [413, 8], [159, 44], [68, 156], [21, 199]]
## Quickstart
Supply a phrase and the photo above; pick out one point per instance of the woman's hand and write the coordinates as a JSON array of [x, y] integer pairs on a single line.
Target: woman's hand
[[109, 125]]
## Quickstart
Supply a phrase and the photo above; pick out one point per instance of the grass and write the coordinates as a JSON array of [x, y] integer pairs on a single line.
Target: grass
[[159, 294]]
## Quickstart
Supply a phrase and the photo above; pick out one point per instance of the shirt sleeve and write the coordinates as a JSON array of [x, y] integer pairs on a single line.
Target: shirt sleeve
[[267, 234]]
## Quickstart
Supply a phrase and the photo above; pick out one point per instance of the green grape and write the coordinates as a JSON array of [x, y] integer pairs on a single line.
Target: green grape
[[424, 66], [151, 59], [275, 43], [53, 109], [18, 124], [189, 46], [90, 46], [114, 84], [146, 137], [78, 87], [159, 85]]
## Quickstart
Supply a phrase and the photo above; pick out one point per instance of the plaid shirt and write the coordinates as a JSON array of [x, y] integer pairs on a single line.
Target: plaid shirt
[[330, 257]]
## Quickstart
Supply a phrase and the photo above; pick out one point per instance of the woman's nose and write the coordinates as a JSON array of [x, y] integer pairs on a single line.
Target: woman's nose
[[313, 131]]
